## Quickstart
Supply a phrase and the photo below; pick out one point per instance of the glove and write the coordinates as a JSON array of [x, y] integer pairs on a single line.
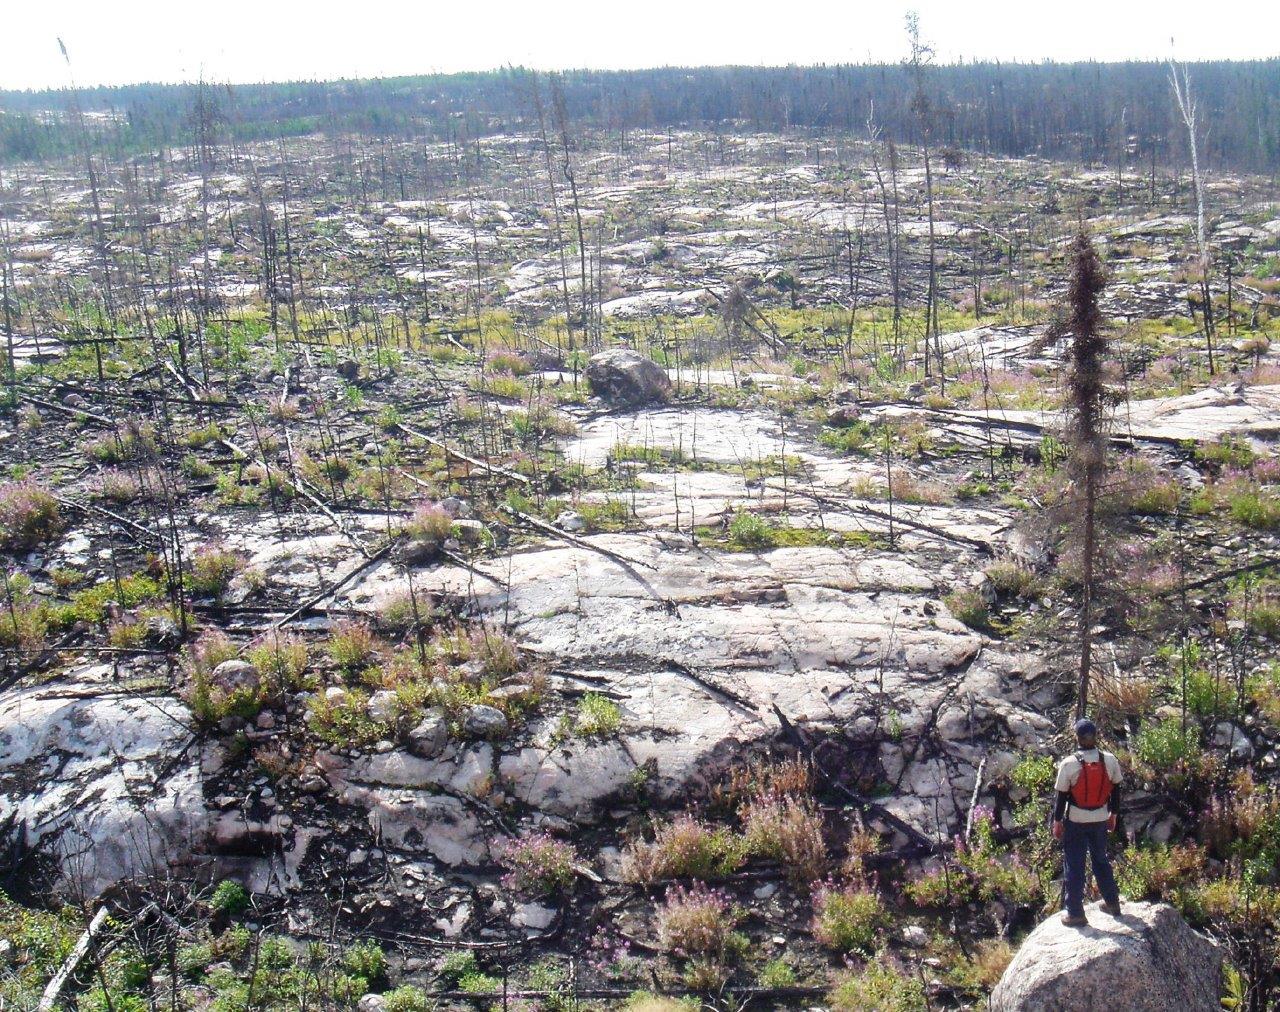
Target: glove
[[1111, 823], [1057, 829]]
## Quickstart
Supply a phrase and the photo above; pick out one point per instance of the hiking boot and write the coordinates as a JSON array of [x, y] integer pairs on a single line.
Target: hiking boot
[[1075, 920], [1111, 908]]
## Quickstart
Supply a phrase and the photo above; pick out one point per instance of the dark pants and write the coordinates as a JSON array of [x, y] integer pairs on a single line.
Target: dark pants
[[1079, 838]]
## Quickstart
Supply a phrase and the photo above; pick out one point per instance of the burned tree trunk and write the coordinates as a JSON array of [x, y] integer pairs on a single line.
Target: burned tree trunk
[[1087, 436]]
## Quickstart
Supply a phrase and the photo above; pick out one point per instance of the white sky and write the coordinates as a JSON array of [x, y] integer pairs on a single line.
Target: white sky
[[240, 41]]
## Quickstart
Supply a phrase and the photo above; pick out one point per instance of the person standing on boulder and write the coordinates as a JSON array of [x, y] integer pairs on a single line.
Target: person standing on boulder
[[1085, 810]]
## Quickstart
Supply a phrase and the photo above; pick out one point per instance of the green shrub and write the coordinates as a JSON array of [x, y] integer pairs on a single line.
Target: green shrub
[[776, 973], [789, 830], [610, 515], [228, 898], [646, 1001], [1205, 695], [1167, 745], [685, 847], [1228, 452], [24, 624], [506, 387], [942, 887], [281, 659], [352, 645], [1255, 508], [28, 516], [407, 998], [212, 570], [1012, 579], [858, 438], [969, 607], [698, 921], [193, 960], [749, 531], [598, 716], [877, 988], [365, 959], [457, 965], [345, 723], [479, 983], [1157, 872], [1035, 774], [1264, 691], [848, 919], [90, 605]]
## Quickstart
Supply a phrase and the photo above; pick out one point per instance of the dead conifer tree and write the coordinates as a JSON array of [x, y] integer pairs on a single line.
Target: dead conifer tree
[[920, 58], [1088, 440], [562, 124], [1187, 110], [6, 287], [555, 218]]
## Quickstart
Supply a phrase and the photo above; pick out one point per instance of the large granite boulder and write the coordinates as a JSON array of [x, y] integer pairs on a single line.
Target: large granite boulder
[[1146, 960], [622, 376]]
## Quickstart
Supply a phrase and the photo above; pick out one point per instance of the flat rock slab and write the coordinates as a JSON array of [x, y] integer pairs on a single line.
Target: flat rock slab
[[785, 611], [109, 784], [1203, 415]]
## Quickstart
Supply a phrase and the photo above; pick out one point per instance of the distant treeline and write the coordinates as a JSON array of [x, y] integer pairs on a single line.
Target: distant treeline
[[1090, 112]]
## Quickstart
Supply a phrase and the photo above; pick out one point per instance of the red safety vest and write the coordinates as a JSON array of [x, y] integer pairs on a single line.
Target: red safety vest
[[1092, 789]]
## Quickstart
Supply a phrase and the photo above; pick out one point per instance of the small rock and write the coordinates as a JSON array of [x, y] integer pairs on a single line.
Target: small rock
[[485, 722], [843, 415], [533, 915], [981, 583], [863, 728], [1164, 830], [430, 735], [1227, 735], [162, 632], [452, 926], [571, 521], [230, 676], [371, 1003], [469, 532], [915, 936], [312, 783], [384, 706], [266, 720], [75, 401], [417, 552], [513, 692], [456, 507], [349, 369], [371, 450], [766, 890], [335, 695]]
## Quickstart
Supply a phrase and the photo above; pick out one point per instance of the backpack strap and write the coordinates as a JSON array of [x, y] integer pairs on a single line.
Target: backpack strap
[[1078, 756]]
